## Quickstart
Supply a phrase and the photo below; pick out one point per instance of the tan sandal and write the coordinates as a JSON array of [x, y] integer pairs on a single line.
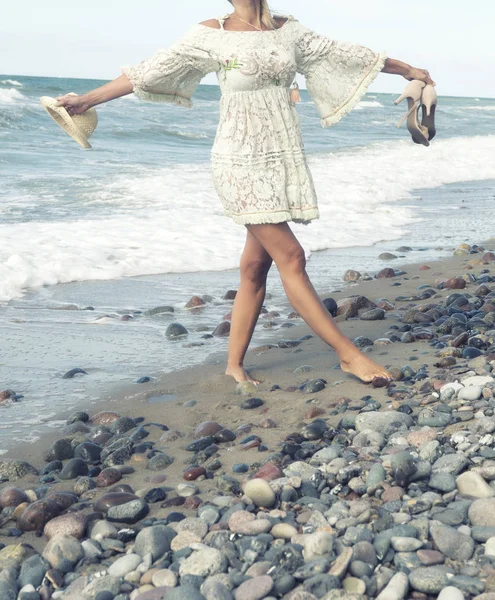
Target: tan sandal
[[413, 93]]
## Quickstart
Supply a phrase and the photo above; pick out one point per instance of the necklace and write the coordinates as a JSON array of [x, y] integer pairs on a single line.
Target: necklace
[[247, 23]]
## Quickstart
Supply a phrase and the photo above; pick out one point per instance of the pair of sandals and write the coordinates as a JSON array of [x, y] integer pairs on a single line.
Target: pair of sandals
[[419, 94]]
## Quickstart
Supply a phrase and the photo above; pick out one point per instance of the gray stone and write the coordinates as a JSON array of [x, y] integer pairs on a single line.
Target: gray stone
[[450, 542], [450, 593], [482, 512], [376, 475], [107, 583], [124, 565], [154, 540], [430, 580], [12, 469], [256, 588], [433, 418], [443, 482], [379, 421], [396, 589], [203, 563], [63, 553], [184, 592], [130, 512], [450, 463], [33, 571]]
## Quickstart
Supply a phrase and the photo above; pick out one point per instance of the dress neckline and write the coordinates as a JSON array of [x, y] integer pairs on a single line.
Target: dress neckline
[[222, 20]]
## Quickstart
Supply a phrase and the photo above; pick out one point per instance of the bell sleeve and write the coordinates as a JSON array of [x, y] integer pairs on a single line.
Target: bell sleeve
[[173, 74], [337, 73]]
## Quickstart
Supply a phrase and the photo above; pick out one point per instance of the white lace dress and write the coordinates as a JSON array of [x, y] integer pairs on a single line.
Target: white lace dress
[[258, 163]]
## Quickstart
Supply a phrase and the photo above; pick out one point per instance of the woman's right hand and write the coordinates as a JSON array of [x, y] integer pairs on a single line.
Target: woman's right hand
[[74, 104]]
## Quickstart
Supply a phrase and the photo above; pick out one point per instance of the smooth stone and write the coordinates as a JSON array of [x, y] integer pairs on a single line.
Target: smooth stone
[[71, 524], [317, 544], [450, 542], [63, 553], [111, 499], [33, 570], [11, 469], [164, 578], [472, 484], [405, 544], [379, 421], [251, 403], [37, 515], [490, 547], [207, 428], [256, 588], [124, 565], [354, 585], [443, 482], [482, 512], [184, 592], [283, 531], [107, 477], [193, 525], [430, 580], [450, 463], [102, 529], [154, 540], [450, 593], [471, 393], [12, 497], [73, 468], [396, 589], [175, 330], [203, 563], [160, 462], [130, 512], [260, 492]]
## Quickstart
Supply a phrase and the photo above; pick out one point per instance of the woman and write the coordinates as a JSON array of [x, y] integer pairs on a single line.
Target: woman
[[258, 163]]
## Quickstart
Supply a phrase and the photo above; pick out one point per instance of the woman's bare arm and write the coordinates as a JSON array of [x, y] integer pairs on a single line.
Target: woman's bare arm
[[397, 67], [76, 105]]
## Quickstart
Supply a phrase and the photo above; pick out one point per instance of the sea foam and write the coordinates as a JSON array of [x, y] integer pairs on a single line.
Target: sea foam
[[171, 220]]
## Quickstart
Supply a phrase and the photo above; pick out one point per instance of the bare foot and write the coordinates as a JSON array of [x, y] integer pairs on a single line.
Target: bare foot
[[364, 368], [239, 373]]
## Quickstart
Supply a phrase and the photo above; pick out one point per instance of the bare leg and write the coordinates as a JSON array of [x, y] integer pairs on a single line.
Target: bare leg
[[255, 264], [281, 244]]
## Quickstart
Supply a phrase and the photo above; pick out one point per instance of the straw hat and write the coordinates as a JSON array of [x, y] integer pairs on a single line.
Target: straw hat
[[79, 127]]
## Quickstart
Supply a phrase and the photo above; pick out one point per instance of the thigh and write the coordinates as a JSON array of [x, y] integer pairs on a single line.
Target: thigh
[[278, 240]]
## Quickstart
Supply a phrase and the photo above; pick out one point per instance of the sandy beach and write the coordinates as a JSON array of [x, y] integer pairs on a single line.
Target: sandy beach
[[197, 438]]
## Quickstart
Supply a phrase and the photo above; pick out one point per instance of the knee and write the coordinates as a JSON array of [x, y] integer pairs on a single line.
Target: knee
[[255, 271], [293, 260]]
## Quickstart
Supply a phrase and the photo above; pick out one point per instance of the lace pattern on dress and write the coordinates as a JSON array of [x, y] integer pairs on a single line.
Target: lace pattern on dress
[[173, 74], [337, 73]]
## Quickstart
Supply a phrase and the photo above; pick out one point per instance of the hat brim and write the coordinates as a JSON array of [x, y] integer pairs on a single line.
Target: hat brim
[[64, 120]]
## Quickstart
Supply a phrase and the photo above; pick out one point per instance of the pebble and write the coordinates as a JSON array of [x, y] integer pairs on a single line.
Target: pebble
[[260, 492], [203, 563], [256, 588], [122, 566], [63, 552], [473, 485]]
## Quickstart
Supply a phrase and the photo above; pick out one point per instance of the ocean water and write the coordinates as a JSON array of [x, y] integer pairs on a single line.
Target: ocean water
[[135, 223]]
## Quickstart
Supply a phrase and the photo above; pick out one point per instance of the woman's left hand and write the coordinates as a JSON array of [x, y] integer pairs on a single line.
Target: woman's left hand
[[419, 74]]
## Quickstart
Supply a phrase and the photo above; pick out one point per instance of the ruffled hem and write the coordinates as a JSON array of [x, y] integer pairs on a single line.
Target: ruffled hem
[[358, 94], [156, 97], [280, 216]]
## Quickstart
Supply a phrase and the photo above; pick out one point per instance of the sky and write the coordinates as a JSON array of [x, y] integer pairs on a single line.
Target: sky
[[452, 39]]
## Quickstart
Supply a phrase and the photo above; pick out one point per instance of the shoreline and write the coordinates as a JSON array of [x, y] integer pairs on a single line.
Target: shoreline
[[322, 464], [171, 383]]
